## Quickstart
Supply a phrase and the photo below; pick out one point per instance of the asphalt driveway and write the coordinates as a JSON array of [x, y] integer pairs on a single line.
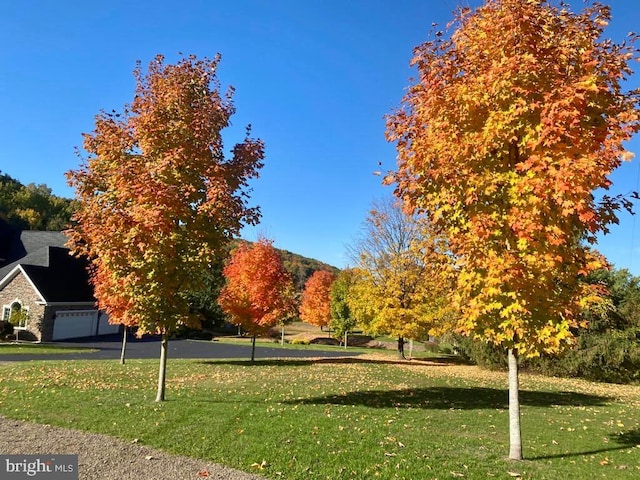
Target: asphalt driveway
[[108, 347]]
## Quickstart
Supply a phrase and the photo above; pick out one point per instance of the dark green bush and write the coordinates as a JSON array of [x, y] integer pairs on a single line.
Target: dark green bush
[[612, 356], [481, 353], [6, 329]]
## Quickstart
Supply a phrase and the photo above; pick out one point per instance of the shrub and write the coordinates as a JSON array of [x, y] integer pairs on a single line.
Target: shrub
[[481, 353], [6, 329], [432, 347], [613, 357]]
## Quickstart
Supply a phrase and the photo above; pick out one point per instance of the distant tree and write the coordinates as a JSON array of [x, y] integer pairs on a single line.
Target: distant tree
[[301, 268], [158, 199], [516, 119], [343, 320], [258, 292], [204, 300], [33, 207], [315, 307], [624, 295], [402, 275]]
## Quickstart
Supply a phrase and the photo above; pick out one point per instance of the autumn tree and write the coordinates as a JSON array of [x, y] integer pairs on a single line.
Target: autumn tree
[[402, 274], [516, 119], [159, 199], [315, 307], [343, 319], [258, 292]]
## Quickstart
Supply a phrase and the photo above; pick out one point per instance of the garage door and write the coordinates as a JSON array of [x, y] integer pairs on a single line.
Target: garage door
[[104, 327], [74, 324]]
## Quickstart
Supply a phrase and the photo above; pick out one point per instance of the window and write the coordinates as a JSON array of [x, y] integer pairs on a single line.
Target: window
[[16, 314]]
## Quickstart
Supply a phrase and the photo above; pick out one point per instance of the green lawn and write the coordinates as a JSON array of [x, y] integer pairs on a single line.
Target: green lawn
[[38, 349], [391, 353], [332, 419]]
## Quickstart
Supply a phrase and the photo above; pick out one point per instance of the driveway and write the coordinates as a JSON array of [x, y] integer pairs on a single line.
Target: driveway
[[108, 348]]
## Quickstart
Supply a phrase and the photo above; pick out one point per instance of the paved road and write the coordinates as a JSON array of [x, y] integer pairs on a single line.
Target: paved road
[[108, 347]]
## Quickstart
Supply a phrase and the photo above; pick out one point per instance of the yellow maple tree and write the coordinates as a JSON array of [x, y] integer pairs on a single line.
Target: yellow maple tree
[[516, 119], [402, 275]]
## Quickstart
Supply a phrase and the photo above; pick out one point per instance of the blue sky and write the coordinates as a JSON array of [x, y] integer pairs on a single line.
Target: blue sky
[[314, 78]]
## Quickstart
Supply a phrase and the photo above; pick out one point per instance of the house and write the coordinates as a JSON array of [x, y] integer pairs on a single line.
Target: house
[[44, 290]]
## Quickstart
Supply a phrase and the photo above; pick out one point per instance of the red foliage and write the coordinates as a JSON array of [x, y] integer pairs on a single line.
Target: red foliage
[[259, 291]]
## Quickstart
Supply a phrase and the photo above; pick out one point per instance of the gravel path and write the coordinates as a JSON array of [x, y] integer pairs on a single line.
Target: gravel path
[[104, 457]]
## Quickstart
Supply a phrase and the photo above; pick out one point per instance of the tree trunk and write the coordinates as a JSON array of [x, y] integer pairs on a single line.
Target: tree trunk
[[410, 348], [345, 339], [163, 367], [253, 348], [515, 437], [124, 346], [400, 348], [282, 335]]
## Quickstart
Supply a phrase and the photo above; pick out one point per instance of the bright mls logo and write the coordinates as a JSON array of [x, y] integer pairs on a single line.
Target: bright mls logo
[[49, 467]]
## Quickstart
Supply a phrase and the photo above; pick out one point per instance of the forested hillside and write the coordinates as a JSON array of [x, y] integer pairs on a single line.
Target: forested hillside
[[33, 207]]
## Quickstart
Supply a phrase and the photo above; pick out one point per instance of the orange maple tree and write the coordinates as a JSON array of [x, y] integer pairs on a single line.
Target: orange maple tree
[[158, 199], [315, 307], [259, 291], [516, 119]]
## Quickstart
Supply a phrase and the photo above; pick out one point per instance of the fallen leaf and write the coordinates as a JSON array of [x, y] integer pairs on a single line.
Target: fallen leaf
[[261, 465]]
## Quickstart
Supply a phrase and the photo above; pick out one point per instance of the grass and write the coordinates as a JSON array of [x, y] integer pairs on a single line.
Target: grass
[[38, 349], [298, 336], [367, 417], [267, 342]]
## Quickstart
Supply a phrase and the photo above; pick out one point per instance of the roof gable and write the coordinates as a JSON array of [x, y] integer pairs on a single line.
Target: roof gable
[[64, 279], [43, 258]]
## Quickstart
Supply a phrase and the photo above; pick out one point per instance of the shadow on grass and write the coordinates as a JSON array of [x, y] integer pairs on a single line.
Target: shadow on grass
[[445, 398], [298, 362], [625, 440]]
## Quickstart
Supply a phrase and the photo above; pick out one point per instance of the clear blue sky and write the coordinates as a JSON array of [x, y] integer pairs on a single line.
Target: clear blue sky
[[313, 77]]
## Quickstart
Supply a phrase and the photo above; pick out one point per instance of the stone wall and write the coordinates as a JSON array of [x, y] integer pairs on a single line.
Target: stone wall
[[19, 289]]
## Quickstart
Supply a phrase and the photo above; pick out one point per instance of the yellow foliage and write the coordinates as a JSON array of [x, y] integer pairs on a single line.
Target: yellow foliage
[[514, 122]]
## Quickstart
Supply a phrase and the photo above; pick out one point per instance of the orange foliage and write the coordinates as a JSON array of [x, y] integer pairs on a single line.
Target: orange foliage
[[316, 299], [516, 119], [259, 291], [158, 199]]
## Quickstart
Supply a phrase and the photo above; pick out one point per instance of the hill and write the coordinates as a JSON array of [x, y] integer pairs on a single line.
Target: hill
[[33, 207]]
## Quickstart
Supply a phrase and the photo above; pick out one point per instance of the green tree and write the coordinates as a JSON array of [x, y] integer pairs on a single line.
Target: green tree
[[342, 320], [33, 207]]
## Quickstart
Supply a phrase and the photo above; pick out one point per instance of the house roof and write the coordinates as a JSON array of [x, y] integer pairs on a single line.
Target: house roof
[[42, 256], [63, 279]]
